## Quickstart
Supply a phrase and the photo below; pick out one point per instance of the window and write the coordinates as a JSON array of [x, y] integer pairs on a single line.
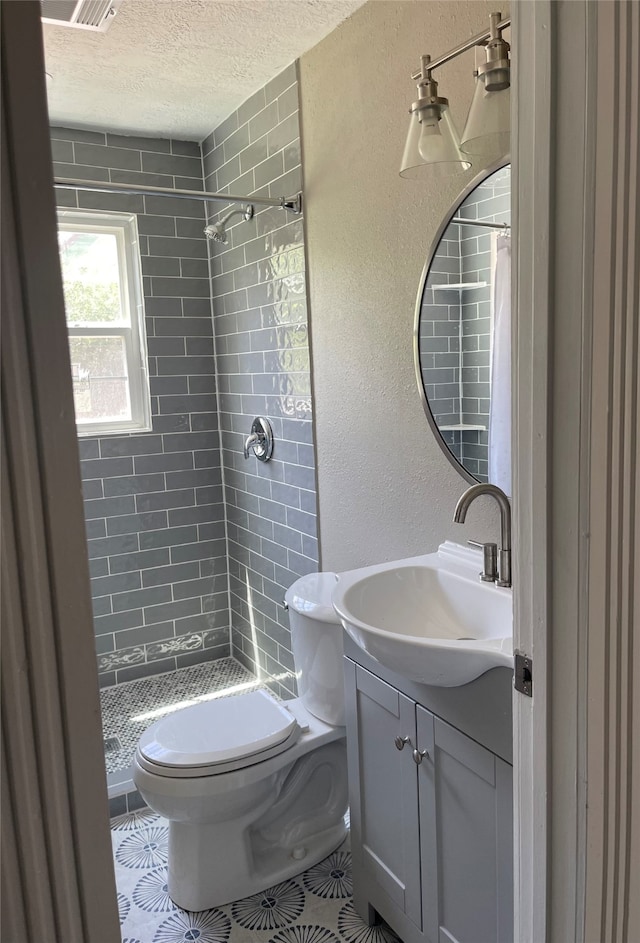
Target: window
[[102, 280]]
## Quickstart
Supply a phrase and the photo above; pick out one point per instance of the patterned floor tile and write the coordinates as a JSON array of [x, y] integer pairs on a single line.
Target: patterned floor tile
[[146, 848], [306, 933], [209, 926], [314, 907], [330, 878], [353, 930], [273, 908]]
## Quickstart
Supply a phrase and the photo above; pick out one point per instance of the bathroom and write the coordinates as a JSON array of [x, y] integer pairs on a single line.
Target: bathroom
[[357, 477], [191, 545]]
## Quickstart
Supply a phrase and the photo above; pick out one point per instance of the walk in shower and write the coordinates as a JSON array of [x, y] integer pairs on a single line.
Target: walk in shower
[[191, 546]]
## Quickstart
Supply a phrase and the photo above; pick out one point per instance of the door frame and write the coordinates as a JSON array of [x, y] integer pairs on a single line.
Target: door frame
[[554, 136], [554, 152], [57, 868], [531, 148], [576, 467]]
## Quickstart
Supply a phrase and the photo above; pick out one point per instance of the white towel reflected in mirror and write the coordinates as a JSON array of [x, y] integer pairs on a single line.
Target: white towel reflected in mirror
[[500, 414]]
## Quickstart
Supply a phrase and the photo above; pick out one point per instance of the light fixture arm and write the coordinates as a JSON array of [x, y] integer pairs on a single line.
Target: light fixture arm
[[432, 140], [480, 39], [428, 105]]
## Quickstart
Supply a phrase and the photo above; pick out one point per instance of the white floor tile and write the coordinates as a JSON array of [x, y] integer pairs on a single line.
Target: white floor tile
[[314, 907]]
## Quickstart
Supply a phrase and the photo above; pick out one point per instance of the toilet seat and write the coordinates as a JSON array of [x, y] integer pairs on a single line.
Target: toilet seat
[[218, 736]]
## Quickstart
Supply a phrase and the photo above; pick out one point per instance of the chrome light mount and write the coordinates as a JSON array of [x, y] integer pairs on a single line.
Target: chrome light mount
[[496, 71], [429, 104]]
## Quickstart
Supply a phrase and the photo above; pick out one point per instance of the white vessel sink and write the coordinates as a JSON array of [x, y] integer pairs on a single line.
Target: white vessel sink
[[429, 618]]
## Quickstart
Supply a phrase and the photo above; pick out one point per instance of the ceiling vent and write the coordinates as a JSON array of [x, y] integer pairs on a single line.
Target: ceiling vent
[[83, 14]]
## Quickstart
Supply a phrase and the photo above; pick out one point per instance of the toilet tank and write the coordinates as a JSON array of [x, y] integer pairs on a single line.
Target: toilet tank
[[316, 641]]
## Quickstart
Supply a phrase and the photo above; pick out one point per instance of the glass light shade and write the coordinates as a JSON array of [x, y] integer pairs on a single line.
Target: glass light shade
[[432, 148], [487, 132]]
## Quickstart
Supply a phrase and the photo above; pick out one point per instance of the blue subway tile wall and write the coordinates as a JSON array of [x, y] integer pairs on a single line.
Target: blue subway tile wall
[[262, 354], [154, 501]]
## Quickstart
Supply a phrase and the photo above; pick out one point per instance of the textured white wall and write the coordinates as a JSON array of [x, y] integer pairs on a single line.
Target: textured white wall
[[385, 488]]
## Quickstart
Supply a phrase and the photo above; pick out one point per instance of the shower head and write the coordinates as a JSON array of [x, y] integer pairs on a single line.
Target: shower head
[[218, 232]]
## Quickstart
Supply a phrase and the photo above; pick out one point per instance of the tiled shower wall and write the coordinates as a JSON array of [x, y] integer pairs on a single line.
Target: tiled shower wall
[[262, 366], [153, 501]]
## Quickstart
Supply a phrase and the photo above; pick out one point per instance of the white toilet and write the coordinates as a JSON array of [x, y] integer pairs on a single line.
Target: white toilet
[[255, 790]]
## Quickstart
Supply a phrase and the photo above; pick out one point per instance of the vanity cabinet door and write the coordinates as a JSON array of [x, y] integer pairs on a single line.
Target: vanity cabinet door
[[466, 837], [383, 786]]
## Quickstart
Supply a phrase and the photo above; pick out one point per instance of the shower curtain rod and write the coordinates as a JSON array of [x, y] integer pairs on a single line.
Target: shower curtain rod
[[479, 222], [293, 203]]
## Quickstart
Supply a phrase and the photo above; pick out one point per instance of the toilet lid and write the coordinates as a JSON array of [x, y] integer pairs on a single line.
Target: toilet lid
[[218, 731]]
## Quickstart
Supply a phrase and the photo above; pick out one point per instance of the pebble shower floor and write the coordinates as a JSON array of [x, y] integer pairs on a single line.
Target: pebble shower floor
[[314, 907]]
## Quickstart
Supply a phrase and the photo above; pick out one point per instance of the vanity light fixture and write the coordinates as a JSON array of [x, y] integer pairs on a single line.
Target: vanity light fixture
[[433, 145], [487, 131], [432, 139]]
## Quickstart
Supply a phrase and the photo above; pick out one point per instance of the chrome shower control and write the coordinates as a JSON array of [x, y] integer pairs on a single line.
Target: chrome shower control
[[400, 742], [260, 440]]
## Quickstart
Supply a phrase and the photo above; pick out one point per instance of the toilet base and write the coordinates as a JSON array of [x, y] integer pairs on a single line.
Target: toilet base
[[239, 833], [232, 876]]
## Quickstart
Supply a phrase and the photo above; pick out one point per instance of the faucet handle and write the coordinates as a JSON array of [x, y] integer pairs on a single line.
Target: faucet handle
[[260, 440], [489, 560], [251, 441]]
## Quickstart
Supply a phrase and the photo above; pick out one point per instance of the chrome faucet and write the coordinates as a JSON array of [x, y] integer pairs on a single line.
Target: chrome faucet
[[460, 513]]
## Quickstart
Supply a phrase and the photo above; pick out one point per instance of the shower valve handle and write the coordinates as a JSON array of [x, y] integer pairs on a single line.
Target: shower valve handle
[[260, 440], [249, 442]]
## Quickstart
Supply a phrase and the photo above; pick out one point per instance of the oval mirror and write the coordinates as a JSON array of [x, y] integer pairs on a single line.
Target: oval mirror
[[462, 337]]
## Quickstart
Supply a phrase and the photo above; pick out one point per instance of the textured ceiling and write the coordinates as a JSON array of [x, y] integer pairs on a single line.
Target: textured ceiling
[[179, 68]]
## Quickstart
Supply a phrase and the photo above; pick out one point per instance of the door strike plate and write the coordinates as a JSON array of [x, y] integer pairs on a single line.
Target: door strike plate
[[523, 674]]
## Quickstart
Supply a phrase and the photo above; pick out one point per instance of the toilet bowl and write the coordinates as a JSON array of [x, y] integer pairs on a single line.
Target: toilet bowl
[[255, 790]]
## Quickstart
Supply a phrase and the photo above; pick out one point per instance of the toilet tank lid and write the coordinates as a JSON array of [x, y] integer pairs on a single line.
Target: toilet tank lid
[[311, 596], [218, 731]]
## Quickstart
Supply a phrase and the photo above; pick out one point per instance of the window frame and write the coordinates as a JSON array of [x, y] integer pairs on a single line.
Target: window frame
[[125, 228]]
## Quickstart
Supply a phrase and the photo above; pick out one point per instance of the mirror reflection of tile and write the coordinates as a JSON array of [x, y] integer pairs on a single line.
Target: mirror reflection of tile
[[456, 324]]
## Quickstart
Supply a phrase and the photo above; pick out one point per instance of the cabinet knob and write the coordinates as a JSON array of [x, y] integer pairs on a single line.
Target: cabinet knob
[[400, 742], [419, 755]]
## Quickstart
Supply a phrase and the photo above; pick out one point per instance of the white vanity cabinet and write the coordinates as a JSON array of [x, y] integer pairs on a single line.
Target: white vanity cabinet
[[431, 817]]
